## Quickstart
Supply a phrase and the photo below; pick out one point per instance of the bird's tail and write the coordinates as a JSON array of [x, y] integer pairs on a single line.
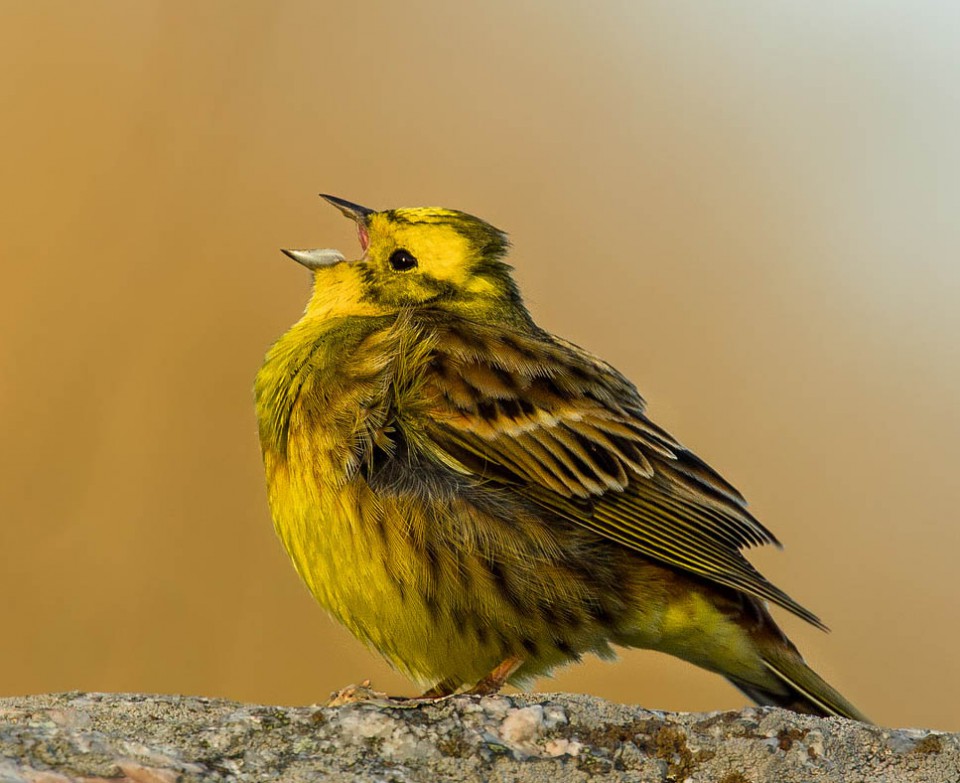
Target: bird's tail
[[792, 684], [732, 633]]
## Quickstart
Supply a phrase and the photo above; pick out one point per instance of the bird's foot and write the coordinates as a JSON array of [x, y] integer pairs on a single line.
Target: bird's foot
[[355, 693], [444, 689], [441, 690], [494, 681]]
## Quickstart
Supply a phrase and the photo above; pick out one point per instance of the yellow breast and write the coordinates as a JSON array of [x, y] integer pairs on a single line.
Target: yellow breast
[[321, 399]]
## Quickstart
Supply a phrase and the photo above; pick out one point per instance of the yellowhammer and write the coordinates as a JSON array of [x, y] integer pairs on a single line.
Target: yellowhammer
[[482, 501]]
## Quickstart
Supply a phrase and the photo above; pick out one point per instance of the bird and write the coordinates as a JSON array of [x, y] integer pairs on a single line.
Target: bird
[[481, 501]]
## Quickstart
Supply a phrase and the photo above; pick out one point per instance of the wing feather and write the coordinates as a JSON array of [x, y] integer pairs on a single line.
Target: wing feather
[[565, 430]]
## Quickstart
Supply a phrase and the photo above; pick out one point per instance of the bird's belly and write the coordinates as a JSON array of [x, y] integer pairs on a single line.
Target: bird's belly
[[371, 577], [449, 597]]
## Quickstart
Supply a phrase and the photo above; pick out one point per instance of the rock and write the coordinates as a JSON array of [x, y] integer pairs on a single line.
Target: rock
[[552, 738]]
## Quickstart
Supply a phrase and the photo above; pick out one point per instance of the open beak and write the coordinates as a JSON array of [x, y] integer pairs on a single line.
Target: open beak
[[320, 257], [314, 259], [354, 212]]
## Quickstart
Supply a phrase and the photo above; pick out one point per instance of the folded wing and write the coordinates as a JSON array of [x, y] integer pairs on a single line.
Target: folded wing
[[542, 417]]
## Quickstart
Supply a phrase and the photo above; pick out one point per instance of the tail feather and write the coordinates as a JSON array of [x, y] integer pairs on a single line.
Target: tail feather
[[733, 634], [797, 687]]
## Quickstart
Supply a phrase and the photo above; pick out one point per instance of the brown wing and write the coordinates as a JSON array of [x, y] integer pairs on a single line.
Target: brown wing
[[569, 432]]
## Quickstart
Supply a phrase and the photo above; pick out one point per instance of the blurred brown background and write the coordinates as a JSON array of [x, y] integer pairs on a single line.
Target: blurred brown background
[[752, 212]]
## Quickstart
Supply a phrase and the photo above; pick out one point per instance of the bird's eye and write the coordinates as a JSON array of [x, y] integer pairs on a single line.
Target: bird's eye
[[402, 260]]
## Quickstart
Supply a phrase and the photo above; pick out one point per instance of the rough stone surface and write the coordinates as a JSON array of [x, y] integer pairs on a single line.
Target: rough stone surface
[[550, 738]]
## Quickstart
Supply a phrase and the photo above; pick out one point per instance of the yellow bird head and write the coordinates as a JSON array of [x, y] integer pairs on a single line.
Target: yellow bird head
[[424, 256]]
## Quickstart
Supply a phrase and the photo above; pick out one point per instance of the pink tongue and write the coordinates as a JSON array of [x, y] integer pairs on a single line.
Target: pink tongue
[[363, 237]]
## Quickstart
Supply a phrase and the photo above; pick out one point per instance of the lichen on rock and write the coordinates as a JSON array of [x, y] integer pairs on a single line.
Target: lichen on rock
[[543, 737]]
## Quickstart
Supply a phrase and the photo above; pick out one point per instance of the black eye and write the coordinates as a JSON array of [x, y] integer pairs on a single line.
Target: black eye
[[402, 260]]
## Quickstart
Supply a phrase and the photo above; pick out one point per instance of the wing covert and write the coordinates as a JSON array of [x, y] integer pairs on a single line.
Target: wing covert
[[567, 431]]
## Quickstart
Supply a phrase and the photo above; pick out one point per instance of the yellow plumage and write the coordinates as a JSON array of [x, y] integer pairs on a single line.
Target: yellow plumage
[[482, 501]]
